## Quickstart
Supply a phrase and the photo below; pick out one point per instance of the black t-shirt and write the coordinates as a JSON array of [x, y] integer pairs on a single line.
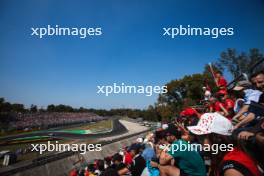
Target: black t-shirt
[[118, 167], [110, 172], [256, 108], [138, 166], [261, 98]]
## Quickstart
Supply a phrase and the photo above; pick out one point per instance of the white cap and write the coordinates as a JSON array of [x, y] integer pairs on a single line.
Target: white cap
[[140, 140], [212, 123], [164, 126]]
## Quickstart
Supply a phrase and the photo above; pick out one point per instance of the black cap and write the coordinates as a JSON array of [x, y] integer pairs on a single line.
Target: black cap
[[135, 147]]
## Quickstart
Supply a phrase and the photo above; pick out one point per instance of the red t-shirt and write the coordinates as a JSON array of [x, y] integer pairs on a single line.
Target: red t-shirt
[[217, 106], [73, 173], [222, 82], [128, 159], [229, 104]]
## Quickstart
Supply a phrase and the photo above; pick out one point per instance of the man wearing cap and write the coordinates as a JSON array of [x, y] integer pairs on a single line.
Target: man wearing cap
[[249, 95], [189, 162]]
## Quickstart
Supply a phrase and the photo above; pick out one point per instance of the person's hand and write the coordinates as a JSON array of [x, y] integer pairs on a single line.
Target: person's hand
[[235, 127], [245, 135], [154, 164]]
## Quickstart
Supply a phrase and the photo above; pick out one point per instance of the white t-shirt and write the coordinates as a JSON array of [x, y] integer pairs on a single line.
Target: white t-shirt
[[251, 95]]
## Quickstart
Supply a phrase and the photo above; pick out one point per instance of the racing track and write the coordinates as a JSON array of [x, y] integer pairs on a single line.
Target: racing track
[[117, 129]]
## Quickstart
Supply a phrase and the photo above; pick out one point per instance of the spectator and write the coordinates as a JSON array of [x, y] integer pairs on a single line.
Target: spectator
[[74, 172], [234, 162], [81, 172], [217, 106], [188, 162], [253, 139], [207, 93], [110, 172], [227, 103], [249, 95], [160, 137], [128, 158], [253, 80], [260, 80], [99, 167], [139, 162], [254, 112], [118, 166], [220, 81], [148, 153]]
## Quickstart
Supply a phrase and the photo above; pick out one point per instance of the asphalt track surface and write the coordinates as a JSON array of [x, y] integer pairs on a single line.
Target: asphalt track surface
[[117, 129]]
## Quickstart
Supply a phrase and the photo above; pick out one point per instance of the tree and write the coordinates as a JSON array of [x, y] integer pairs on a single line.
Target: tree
[[166, 112], [51, 108], [151, 114], [33, 108], [16, 107], [2, 100], [208, 75], [182, 93], [238, 63]]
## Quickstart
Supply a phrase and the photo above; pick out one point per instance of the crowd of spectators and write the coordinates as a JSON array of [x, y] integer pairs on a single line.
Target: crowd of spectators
[[44, 120], [228, 132]]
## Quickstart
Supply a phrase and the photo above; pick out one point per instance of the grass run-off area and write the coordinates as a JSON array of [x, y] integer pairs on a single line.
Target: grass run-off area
[[27, 141], [19, 143], [101, 125]]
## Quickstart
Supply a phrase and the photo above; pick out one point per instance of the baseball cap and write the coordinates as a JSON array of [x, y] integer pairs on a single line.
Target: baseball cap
[[164, 126], [139, 140], [242, 85], [134, 146], [212, 123], [188, 112]]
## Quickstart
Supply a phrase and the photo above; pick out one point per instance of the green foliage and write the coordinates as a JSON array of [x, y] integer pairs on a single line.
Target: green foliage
[[60, 108], [33, 108], [183, 93], [8, 107], [237, 63]]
